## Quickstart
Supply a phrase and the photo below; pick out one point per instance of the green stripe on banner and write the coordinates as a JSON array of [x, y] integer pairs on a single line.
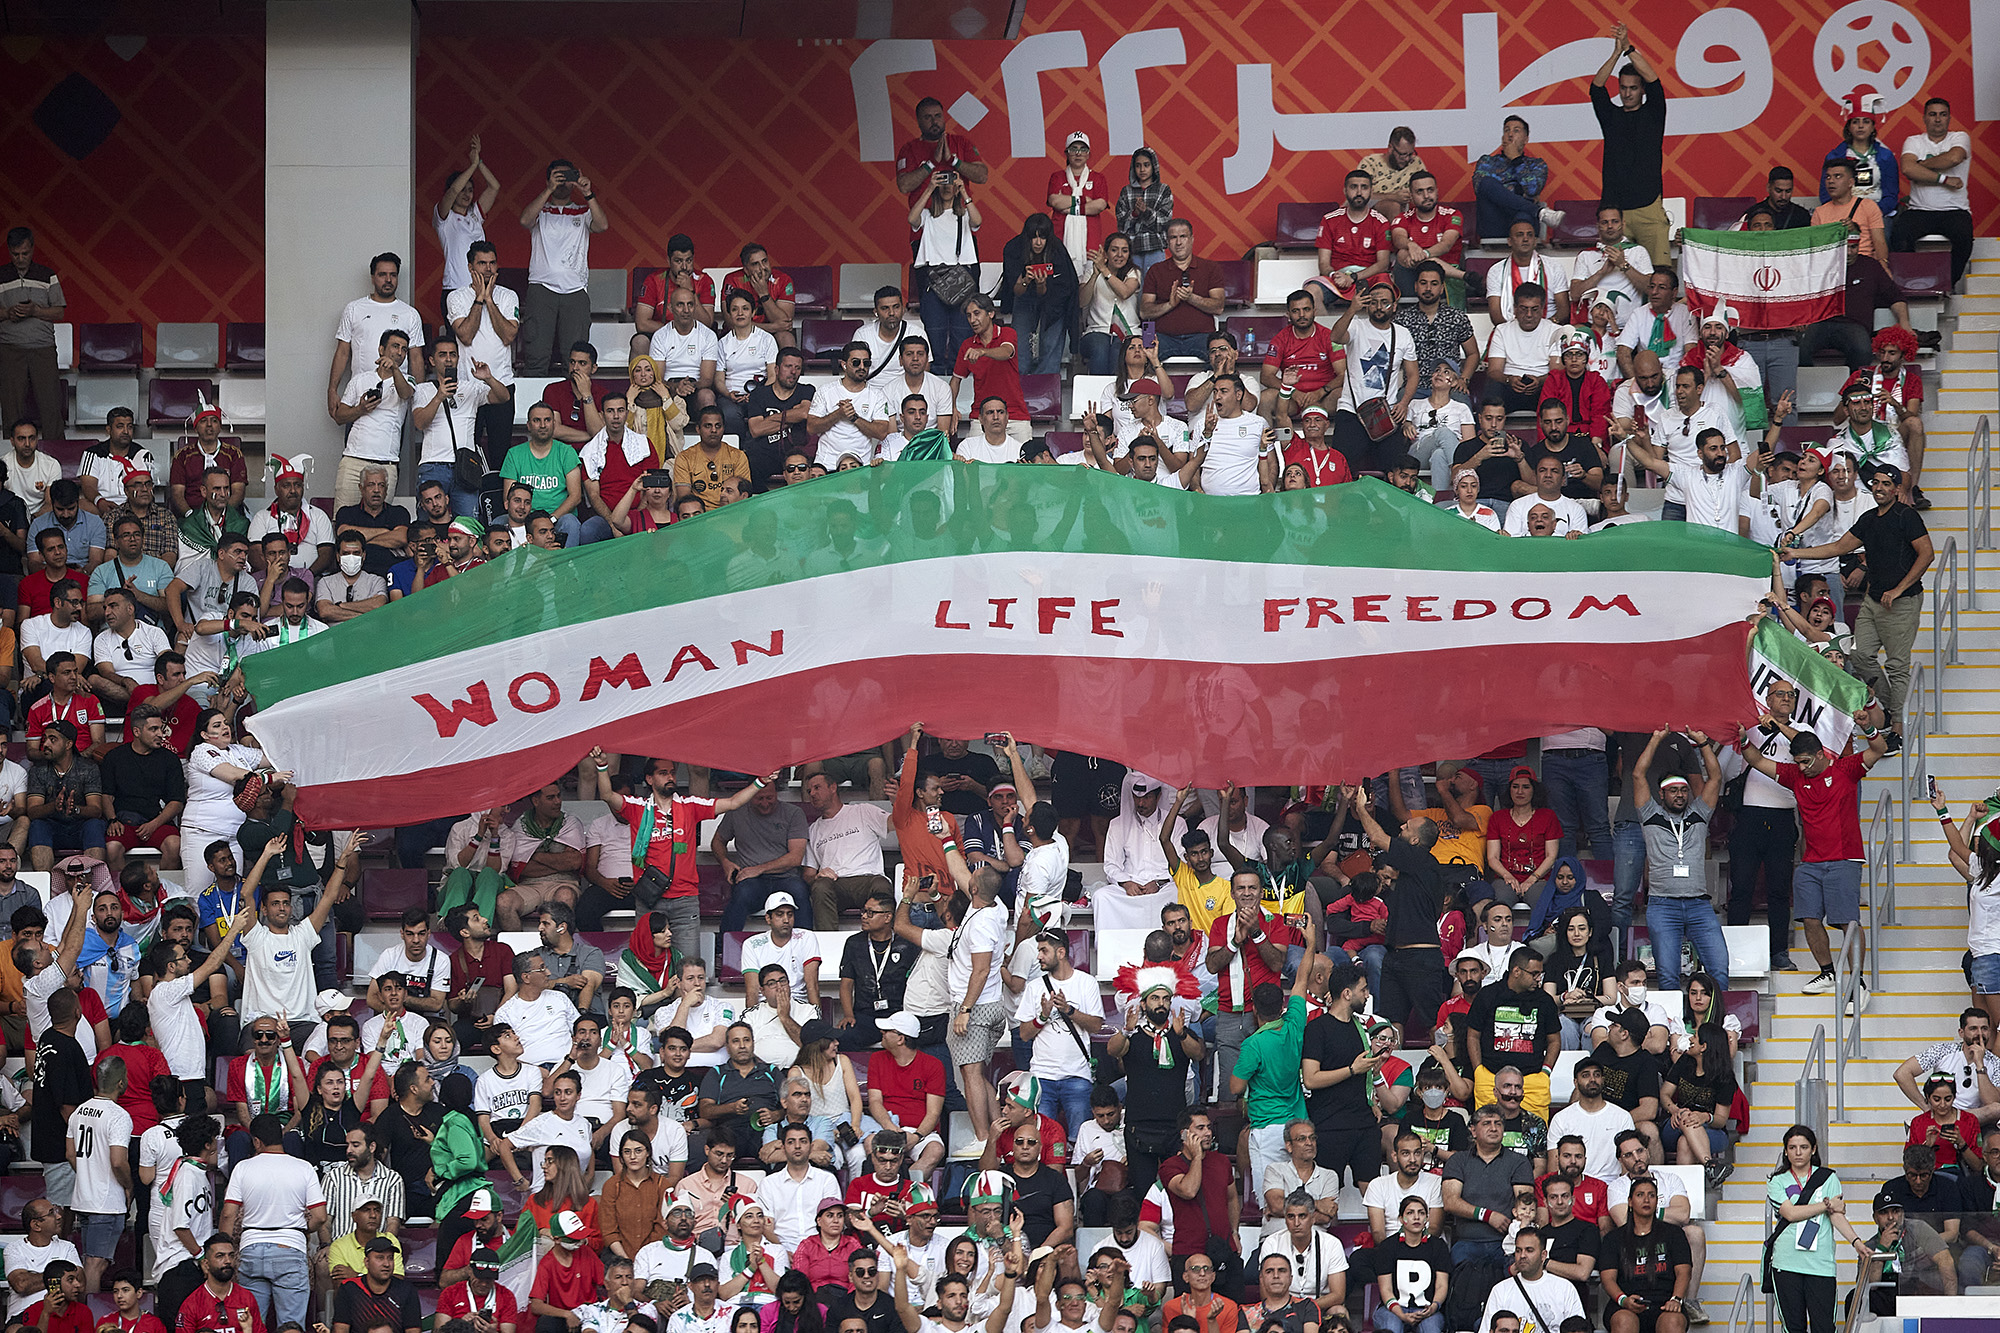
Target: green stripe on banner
[[1795, 240], [927, 511], [1806, 668]]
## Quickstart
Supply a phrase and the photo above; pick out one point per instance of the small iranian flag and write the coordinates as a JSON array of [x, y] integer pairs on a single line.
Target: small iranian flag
[[1772, 279], [1828, 696], [519, 1256]]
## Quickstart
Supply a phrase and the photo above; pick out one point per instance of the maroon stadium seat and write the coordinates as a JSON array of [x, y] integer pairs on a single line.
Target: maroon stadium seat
[[1475, 276], [812, 287], [823, 338], [69, 453], [1266, 328], [1927, 273], [729, 963], [1298, 224], [388, 892], [1062, 442], [243, 346], [1578, 229], [1239, 283], [1718, 212], [1743, 1004], [172, 402], [110, 347], [639, 276], [1043, 395]]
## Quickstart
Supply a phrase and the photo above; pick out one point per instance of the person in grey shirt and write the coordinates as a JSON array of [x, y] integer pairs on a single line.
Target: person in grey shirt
[[770, 845], [31, 305], [1675, 754], [575, 968], [1675, 826]]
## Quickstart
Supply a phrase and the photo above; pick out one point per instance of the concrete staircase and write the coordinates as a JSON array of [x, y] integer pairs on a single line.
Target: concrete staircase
[[1922, 989]]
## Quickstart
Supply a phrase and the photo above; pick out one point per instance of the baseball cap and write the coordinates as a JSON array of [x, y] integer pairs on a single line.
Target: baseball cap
[[777, 900], [1587, 1062], [1380, 280], [566, 1229], [700, 1271], [485, 1260], [829, 1202], [1634, 1022], [1148, 386], [1885, 1201], [1000, 787], [1522, 771], [479, 1205], [63, 726], [1077, 136], [380, 1245], [902, 1021]]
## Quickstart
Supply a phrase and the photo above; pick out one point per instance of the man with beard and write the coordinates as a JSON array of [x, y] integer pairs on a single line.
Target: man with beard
[[219, 1305], [675, 1255], [1157, 1047], [1381, 364], [1715, 493], [1132, 850], [1298, 372]]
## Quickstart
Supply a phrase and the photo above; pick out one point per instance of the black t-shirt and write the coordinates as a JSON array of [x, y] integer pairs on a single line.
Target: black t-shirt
[[13, 517], [1343, 1106], [859, 959], [357, 1307], [1513, 1028], [141, 784], [375, 559], [680, 1094], [880, 1317], [767, 452], [296, 873], [1295, 1316], [1942, 1196], [1645, 1264], [1890, 540], [1576, 449], [1413, 1270], [1496, 475], [1569, 1242], [1037, 1196], [1701, 1092], [1417, 898], [62, 1079], [1155, 1096], [1869, 288], [980, 768], [1628, 1079], [409, 1155], [1449, 1133], [1633, 145]]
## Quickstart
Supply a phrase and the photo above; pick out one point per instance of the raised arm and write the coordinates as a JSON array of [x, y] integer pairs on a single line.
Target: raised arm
[[1641, 792]]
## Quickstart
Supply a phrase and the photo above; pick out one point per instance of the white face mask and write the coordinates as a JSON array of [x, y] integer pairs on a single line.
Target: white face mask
[[1636, 992], [350, 565], [1433, 1097]]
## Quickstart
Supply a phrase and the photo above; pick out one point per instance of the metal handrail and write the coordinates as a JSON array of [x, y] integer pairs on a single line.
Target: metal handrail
[[1945, 593], [1913, 725], [1879, 880], [1847, 1006], [1979, 492], [1744, 1300], [1809, 1091]]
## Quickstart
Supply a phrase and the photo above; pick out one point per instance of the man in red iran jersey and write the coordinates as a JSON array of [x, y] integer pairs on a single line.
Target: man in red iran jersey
[[1423, 231], [1353, 245], [1299, 369]]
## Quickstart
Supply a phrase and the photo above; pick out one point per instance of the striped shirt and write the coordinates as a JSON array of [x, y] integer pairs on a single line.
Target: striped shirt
[[346, 1191]]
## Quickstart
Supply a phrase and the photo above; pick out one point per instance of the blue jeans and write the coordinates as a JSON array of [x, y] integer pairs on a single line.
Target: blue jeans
[[1669, 920], [463, 503], [1673, 511], [1628, 864], [1777, 361], [575, 532], [1500, 208], [1464, 1251], [1030, 317], [1100, 354], [749, 894], [1579, 785], [1370, 957], [1194, 345], [1145, 259], [276, 1276], [1385, 1321], [1067, 1100], [947, 327]]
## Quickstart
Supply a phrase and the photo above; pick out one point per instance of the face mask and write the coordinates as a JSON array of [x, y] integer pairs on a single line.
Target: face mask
[[350, 565], [1433, 1097], [1636, 993]]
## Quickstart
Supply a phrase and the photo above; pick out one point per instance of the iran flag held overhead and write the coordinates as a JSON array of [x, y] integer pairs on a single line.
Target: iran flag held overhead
[[1772, 279], [1319, 635]]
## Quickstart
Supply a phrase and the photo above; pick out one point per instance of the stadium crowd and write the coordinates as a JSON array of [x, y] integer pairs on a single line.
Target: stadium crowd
[[1366, 988]]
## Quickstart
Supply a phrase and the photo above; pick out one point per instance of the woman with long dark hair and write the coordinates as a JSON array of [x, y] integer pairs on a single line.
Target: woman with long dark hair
[[1038, 289], [1578, 972], [1109, 295], [1974, 847], [318, 1130], [1696, 1094], [1803, 1261], [797, 1309]]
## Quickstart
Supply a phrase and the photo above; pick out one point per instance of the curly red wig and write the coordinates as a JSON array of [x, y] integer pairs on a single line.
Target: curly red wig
[[1898, 337]]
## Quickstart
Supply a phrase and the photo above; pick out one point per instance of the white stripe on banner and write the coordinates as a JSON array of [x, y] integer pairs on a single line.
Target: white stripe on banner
[[547, 686]]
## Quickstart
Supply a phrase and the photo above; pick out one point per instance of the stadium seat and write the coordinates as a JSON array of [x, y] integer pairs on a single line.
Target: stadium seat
[[1279, 278], [1298, 224], [1744, 1006], [1805, 437], [1475, 276], [607, 291], [812, 287], [1043, 395], [388, 893], [110, 347], [1749, 950], [1266, 327], [1924, 275], [1578, 229], [614, 344], [1085, 390], [173, 402], [242, 401], [1819, 388], [67, 453], [1063, 442], [1239, 283], [823, 338], [1718, 212], [185, 346], [638, 278], [989, 276], [514, 280], [243, 347], [528, 392], [1177, 405], [859, 281], [65, 347]]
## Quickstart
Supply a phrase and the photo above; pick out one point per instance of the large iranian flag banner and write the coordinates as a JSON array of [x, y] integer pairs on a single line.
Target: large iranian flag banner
[[1773, 279], [1310, 636]]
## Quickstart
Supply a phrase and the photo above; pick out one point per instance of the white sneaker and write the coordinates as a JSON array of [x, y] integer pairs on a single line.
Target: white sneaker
[[1819, 985], [1862, 992], [1553, 218]]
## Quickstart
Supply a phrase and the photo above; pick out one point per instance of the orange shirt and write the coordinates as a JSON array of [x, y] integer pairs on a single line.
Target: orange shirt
[[1220, 1315]]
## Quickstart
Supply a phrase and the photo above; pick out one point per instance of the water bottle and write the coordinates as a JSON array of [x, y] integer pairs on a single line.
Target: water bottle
[[1249, 342]]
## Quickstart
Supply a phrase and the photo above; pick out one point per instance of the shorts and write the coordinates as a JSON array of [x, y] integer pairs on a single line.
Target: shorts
[[1086, 786], [58, 1183], [536, 893], [66, 835], [101, 1232], [157, 841], [1828, 891], [850, 769], [1986, 974], [911, 1151], [982, 1034]]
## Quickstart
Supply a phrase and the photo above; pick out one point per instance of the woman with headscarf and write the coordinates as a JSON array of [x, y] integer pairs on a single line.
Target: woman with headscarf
[[652, 412], [647, 964], [458, 1161], [1078, 200], [1038, 289], [1876, 171], [1145, 206]]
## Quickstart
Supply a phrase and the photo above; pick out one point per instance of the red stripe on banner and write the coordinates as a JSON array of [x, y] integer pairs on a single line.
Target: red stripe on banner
[[1178, 721], [1759, 313]]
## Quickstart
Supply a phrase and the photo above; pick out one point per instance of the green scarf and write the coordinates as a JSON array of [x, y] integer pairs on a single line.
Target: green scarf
[[643, 840], [268, 1094]]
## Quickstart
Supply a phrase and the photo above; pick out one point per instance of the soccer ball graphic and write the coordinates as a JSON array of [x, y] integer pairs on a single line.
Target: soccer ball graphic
[[1876, 45]]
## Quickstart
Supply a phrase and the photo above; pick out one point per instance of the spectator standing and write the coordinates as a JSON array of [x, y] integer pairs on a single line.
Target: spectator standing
[[1185, 299], [97, 1141], [1676, 827], [1337, 1068], [555, 310], [1634, 129], [459, 216], [769, 836], [1479, 1189], [31, 305], [1144, 208], [273, 1200], [1157, 1048], [1938, 163], [1811, 1208], [1266, 1075], [1766, 831], [1508, 183], [1201, 1187]]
